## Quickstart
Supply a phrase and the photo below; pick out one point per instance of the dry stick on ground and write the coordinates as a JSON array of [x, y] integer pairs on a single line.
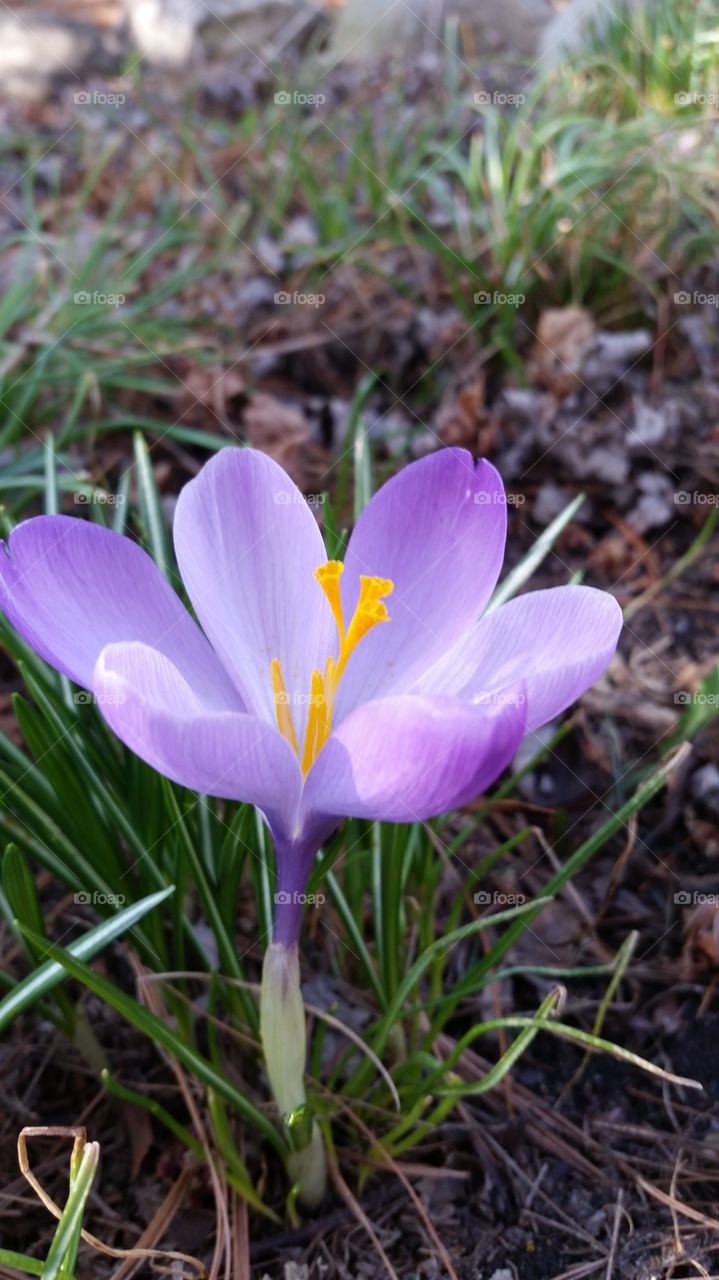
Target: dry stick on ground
[[161, 1220], [618, 868], [615, 1235], [359, 1213], [673, 1192], [396, 1169], [580, 1271], [240, 1237], [676, 1206]]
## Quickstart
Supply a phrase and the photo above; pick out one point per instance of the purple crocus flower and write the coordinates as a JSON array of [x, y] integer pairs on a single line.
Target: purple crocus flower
[[311, 689], [314, 691]]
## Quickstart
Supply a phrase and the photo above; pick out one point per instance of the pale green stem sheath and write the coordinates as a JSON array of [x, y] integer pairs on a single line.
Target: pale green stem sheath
[[284, 1041]]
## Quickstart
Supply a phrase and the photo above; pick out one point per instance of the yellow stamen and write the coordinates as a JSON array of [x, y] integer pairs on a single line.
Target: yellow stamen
[[328, 575], [369, 611], [316, 722], [282, 706]]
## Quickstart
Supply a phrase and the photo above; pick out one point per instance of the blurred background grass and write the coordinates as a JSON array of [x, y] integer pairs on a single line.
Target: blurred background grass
[[145, 241]]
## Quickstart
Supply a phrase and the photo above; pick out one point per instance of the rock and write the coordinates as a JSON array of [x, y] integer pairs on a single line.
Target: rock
[[364, 29], [656, 505], [610, 356], [599, 462], [171, 33], [650, 426], [267, 28], [705, 788], [38, 50], [527, 405], [549, 502], [165, 31]]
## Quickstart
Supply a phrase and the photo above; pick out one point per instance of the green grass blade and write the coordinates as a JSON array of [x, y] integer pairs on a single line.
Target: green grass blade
[[42, 980], [23, 1262], [63, 1249], [537, 553], [151, 508]]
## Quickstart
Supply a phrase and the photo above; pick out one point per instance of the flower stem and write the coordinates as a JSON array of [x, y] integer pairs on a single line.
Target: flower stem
[[284, 1040]]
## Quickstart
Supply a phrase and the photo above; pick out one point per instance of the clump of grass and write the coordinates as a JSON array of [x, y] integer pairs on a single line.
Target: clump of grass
[[662, 57]]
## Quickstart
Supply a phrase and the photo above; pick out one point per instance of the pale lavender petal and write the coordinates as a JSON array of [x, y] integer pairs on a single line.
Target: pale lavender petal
[[71, 587], [247, 546], [557, 641], [153, 710], [437, 529], [404, 759]]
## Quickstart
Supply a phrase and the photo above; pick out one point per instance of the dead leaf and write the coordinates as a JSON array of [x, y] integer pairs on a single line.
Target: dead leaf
[[701, 939], [211, 388], [283, 432], [139, 1130], [465, 420], [564, 335]]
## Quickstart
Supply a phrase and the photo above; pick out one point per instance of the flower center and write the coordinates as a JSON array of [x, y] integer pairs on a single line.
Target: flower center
[[370, 610]]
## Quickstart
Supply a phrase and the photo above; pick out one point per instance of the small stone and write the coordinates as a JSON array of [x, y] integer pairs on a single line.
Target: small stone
[[705, 788], [549, 502], [656, 503]]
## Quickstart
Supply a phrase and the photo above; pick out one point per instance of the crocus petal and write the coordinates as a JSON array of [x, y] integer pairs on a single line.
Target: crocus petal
[[71, 587], [437, 530], [152, 709], [403, 759], [557, 641], [247, 545]]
